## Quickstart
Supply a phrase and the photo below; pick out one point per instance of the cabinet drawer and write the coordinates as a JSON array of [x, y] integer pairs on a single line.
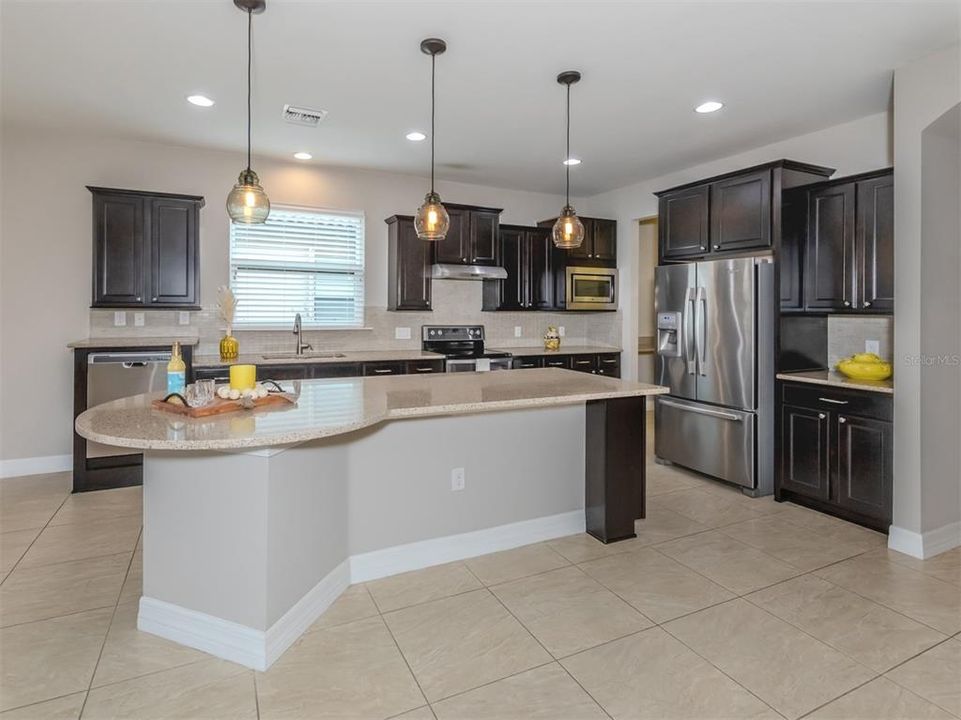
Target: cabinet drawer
[[529, 361], [855, 402], [584, 363], [558, 361], [220, 374], [320, 371], [383, 368], [424, 367]]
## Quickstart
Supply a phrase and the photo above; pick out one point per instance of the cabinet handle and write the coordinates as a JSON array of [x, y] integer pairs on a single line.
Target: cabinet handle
[[609, 361], [423, 369], [703, 247], [382, 371], [139, 298], [463, 259], [847, 304], [717, 247], [153, 299], [867, 303], [842, 420], [821, 416], [833, 402]]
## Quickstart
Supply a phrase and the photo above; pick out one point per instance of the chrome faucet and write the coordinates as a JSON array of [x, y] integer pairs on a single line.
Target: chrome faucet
[[299, 332]]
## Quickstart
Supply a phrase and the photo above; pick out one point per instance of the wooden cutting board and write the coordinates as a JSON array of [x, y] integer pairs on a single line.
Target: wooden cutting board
[[219, 406]]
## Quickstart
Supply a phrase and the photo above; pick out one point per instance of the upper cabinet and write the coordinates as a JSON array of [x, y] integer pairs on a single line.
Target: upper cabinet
[[841, 250], [684, 222], [741, 212], [528, 258], [408, 266], [600, 242], [146, 249], [472, 238]]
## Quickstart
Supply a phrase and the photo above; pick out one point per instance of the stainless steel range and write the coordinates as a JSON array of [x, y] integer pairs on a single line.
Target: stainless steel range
[[464, 347]]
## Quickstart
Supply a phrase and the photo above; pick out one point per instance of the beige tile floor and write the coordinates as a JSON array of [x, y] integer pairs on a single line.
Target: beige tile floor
[[723, 607]]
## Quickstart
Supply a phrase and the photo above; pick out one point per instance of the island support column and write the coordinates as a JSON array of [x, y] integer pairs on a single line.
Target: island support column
[[615, 468]]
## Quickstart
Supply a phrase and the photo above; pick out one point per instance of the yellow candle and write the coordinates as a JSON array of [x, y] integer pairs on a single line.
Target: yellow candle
[[243, 377]]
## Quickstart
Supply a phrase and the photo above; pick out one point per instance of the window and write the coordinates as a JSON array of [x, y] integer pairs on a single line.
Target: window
[[300, 261]]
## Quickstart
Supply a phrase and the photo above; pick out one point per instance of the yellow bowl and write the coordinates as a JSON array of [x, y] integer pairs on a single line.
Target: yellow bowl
[[865, 370]]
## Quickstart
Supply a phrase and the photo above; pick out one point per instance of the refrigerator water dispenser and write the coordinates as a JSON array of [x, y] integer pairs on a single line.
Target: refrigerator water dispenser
[[667, 334]]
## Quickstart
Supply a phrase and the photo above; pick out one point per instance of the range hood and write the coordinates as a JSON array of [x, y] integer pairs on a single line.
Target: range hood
[[445, 271]]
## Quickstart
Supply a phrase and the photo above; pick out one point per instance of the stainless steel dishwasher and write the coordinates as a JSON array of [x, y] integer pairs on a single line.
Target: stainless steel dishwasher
[[115, 375]]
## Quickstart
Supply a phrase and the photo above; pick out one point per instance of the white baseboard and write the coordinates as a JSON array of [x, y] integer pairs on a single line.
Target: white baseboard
[[924, 545], [35, 465], [258, 649], [436, 551], [246, 646]]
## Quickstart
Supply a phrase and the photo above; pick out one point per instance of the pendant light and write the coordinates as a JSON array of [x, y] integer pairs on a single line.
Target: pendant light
[[248, 203], [568, 229], [432, 221]]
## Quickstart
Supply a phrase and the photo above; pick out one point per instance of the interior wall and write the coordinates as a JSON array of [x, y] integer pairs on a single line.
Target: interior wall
[[856, 146], [45, 257], [646, 262], [923, 91]]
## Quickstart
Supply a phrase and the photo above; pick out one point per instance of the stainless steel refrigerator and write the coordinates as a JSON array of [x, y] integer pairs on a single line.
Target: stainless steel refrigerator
[[715, 350]]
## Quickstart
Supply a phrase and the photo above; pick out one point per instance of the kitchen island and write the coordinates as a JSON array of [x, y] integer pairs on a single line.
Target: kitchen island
[[256, 521]]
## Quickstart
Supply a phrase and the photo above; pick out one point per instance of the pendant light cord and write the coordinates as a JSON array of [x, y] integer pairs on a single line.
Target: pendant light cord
[[567, 158], [433, 61], [250, 18]]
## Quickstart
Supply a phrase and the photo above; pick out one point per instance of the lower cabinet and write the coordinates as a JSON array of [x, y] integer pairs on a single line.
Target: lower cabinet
[[596, 363], [318, 371], [836, 452]]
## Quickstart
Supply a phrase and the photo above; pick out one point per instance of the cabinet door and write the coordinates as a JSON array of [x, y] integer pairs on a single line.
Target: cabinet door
[[424, 367], [605, 241], [794, 216], [683, 222], [118, 230], [557, 361], [864, 472], [608, 364], [513, 290], [293, 371], [584, 363], [526, 362], [387, 367], [455, 247], [540, 276], [829, 268], [586, 249], [483, 238], [409, 261], [332, 370], [875, 239], [741, 212], [805, 451], [174, 253]]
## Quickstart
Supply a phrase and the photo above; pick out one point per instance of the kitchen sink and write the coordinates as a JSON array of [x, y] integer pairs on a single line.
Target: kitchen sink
[[302, 356]]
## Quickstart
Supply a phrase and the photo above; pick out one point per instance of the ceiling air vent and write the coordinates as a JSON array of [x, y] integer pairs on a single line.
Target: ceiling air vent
[[303, 116]]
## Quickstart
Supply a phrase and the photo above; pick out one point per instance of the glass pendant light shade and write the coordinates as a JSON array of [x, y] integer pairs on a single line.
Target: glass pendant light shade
[[568, 231], [247, 203], [432, 221]]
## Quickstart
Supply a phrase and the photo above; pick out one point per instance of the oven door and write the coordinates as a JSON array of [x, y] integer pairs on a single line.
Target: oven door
[[591, 288], [461, 365]]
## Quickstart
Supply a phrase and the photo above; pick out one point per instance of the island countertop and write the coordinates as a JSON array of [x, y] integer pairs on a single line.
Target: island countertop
[[333, 407]]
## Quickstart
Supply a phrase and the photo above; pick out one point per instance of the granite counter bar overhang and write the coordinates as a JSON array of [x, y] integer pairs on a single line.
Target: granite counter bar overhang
[[255, 522]]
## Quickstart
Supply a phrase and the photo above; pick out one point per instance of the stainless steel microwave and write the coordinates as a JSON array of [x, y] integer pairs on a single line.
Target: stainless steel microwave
[[591, 288]]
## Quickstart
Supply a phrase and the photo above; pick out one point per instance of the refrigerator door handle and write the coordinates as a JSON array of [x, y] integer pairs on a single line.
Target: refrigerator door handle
[[690, 313], [702, 411], [701, 330]]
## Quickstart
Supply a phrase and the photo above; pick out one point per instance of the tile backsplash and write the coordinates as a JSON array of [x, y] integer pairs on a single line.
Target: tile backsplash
[[847, 335], [455, 302]]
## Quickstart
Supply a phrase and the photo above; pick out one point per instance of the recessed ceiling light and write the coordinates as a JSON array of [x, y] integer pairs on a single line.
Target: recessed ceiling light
[[416, 136], [303, 155], [200, 100], [572, 161], [709, 107]]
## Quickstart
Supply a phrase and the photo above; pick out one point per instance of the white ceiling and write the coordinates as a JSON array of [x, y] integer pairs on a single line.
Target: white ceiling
[[782, 68]]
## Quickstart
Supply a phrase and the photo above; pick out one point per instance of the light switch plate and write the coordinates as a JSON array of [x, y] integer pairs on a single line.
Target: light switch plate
[[518, 331], [561, 331], [138, 319], [872, 346], [401, 333], [457, 479], [119, 318], [183, 317]]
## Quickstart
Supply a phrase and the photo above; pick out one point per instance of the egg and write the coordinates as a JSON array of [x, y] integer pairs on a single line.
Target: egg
[[234, 395], [223, 392]]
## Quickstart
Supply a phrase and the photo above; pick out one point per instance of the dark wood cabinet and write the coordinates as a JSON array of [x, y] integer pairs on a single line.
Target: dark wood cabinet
[[684, 222], [387, 367], [875, 243], [408, 266], [472, 238], [741, 212], [422, 367], [527, 255], [829, 270], [146, 249], [599, 247], [794, 215], [322, 370], [836, 452], [596, 363]]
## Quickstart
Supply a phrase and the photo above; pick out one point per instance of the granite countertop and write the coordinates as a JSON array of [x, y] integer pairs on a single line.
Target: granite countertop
[[536, 350], [836, 379], [134, 341], [347, 356], [333, 407]]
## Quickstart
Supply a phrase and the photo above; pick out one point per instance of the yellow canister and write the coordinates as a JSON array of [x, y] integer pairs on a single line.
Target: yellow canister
[[243, 377]]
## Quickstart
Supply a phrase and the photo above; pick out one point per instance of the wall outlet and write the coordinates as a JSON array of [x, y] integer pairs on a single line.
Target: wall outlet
[[561, 331], [119, 318], [518, 331], [401, 333], [457, 479], [183, 317], [872, 346], [138, 319]]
